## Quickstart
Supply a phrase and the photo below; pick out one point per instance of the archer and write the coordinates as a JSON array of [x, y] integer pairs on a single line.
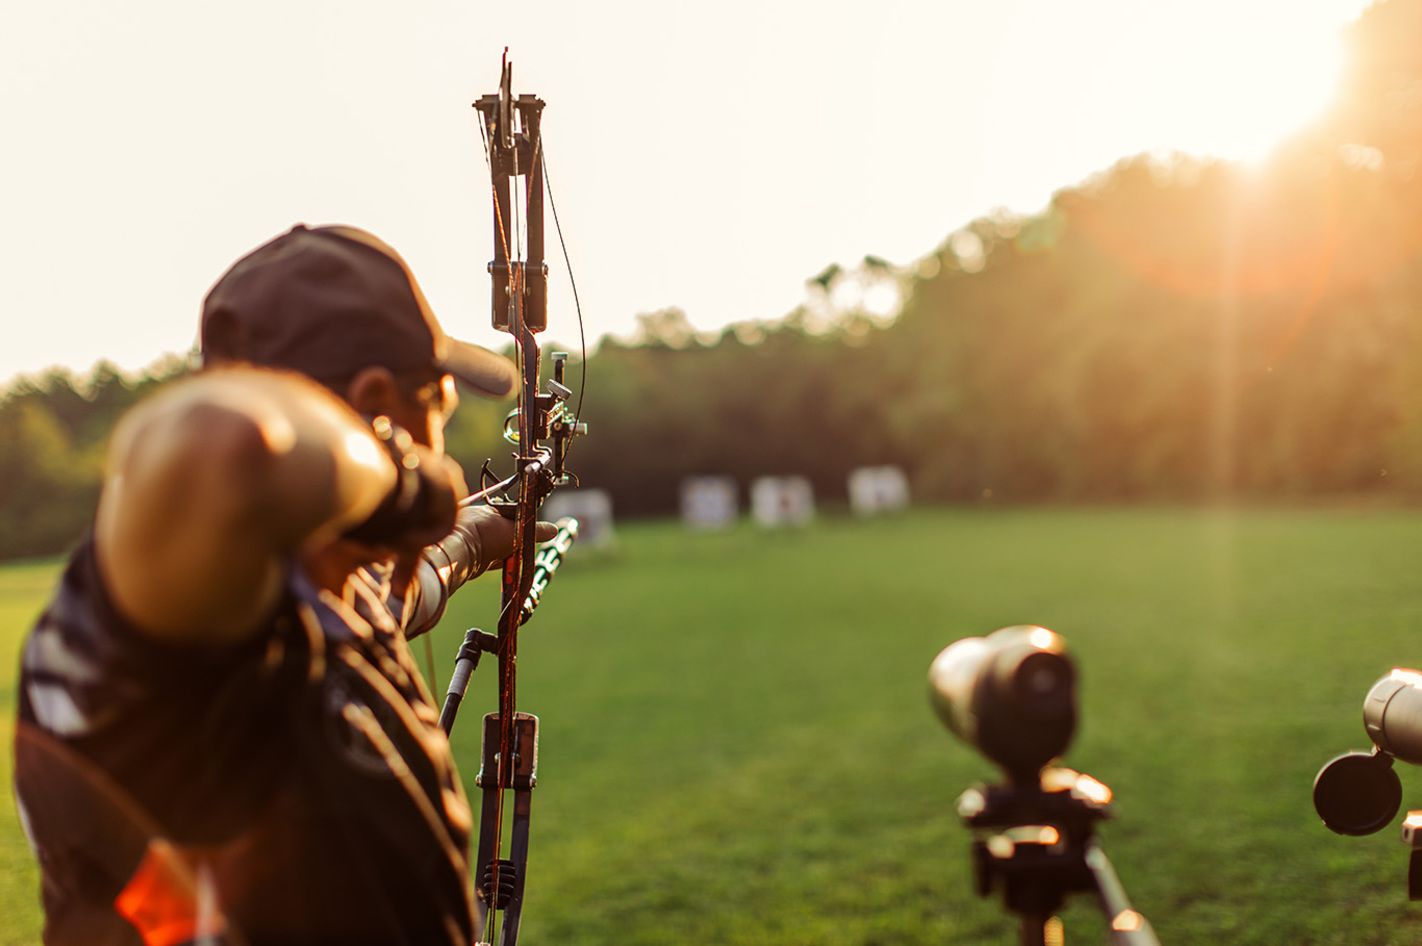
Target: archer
[[221, 730]]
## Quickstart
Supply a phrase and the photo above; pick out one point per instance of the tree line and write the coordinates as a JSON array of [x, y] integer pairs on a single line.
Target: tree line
[[1174, 329], [53, 430]]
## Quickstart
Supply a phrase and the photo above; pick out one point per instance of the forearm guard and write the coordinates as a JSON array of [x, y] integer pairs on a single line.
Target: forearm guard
[[443, 568]]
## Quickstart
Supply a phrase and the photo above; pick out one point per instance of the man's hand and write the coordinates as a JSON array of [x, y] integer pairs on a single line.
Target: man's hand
[[493, 534], [419, 509]]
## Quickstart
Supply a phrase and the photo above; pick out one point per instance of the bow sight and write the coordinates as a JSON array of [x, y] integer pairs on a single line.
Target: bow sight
[[1011, 695]]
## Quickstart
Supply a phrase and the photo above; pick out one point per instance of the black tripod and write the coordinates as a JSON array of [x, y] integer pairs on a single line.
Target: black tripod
[[1039, 842]]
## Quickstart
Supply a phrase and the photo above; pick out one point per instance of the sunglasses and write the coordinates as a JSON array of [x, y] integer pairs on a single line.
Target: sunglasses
[[438, 394]]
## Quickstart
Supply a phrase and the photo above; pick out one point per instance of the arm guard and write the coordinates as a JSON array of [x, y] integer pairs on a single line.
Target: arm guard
[[443, 568]]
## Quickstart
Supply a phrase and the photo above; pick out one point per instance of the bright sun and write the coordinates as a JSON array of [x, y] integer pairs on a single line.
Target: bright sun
[[1260, 93], [1077, 87]]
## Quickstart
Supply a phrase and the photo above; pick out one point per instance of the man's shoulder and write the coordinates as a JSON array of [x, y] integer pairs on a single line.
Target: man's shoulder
[[74, 635], [83, 664]]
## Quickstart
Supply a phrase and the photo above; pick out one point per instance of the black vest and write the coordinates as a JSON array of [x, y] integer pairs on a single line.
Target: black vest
[[301, 776]]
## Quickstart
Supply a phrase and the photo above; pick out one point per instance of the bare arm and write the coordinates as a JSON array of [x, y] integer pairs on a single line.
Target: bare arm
[[213, 483]]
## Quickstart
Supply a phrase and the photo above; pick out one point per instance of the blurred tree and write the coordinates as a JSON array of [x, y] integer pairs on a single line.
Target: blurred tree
[[1380, 103], [53, 432], [48, 487]]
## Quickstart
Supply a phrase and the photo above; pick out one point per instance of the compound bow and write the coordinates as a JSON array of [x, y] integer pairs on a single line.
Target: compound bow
[[542, 427]]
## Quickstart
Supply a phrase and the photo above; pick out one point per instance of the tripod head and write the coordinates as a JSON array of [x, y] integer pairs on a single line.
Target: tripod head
[[1011, 695]]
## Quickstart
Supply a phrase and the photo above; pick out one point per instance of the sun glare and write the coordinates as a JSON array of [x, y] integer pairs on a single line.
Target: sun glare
[[1269, 90], [1078, 87]]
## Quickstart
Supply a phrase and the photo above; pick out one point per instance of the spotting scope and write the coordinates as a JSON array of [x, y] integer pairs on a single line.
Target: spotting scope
[[1358, 792], [1011, 695]]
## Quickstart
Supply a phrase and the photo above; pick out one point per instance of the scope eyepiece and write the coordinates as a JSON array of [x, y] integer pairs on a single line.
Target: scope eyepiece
[[1011, 695]]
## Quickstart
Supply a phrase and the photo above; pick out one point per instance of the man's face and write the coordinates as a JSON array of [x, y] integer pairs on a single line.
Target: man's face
[[424, 407]]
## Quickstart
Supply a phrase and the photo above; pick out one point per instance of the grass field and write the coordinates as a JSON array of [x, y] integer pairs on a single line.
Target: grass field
[[736, 747]]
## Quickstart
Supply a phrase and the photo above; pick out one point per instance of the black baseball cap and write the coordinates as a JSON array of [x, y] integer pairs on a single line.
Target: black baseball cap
[[329, 301]]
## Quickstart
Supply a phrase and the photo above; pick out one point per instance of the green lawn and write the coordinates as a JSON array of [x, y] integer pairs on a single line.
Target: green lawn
[[23, 590], [736, 747]]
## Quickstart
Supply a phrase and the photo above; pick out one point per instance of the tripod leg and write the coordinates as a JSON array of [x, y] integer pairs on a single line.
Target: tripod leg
[[1034, 929], [1128, 928], [1414, 875]]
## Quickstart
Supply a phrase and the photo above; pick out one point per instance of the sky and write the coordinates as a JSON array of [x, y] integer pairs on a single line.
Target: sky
[[709, 157]]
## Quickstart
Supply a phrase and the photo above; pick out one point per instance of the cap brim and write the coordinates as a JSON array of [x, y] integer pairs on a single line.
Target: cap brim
[[487, 373]]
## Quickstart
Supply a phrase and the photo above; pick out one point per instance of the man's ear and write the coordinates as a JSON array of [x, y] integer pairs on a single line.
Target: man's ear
[[372, 391]]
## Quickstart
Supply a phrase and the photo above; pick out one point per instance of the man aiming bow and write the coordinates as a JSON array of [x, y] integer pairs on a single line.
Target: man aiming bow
[[222, 735]]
